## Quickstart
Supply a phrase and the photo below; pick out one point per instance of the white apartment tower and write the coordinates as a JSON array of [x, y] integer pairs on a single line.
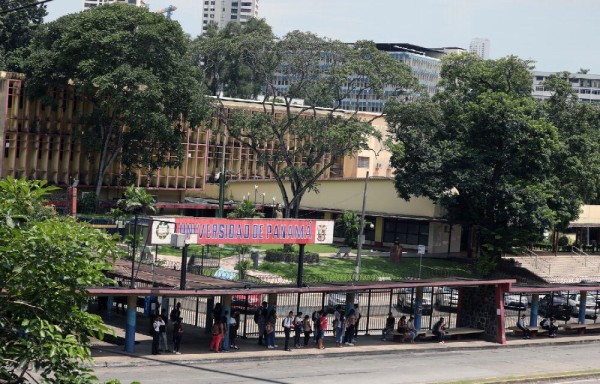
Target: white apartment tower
[[480, 47], [87, 4], [221, 12]]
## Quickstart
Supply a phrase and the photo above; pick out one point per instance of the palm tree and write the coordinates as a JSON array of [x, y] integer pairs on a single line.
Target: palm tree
[[137, 202]]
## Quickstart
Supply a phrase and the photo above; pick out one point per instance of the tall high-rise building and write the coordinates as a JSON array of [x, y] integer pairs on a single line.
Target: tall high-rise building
[[87, 4], [480, 47], [221, 12]]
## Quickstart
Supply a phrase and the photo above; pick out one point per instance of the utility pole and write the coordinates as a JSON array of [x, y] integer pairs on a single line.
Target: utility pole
[[361, 233], [221, 212]]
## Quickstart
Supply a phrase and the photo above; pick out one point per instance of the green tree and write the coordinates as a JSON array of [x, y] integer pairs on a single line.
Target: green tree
[[309, 141], [16, 31], [46, 263], [226, 57], [134, 69], [481, 151], [349, 222], [578, 163], [136, 202]]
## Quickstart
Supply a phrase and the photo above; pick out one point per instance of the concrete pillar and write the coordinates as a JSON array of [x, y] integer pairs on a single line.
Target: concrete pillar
[[272, 300], [378, 231], [164, 308], [109, 307], [226, 303], [418, 307], [582, 302], [501, 325], [535, 306], [130, 327], [210, 305]]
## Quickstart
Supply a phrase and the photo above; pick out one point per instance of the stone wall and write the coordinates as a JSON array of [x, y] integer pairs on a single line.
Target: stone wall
[[478, 310]]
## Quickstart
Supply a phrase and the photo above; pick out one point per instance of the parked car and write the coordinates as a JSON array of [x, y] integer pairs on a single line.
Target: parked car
[[339, 298], [556, 306], [407, 301], [241, 304], [591, 307], [446, 299], [516, 301]]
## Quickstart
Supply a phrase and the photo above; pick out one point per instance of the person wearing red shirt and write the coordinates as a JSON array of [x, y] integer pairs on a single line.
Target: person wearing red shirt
[[322, 329]]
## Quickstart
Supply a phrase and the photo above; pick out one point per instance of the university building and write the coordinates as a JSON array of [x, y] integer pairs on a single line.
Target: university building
[[585, 85], [42, 142]]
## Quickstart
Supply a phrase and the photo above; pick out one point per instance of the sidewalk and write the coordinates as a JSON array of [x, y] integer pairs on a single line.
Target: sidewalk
[[194, 348]]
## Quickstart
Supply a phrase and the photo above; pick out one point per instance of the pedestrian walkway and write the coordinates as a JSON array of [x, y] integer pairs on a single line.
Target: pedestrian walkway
[[194, 347]]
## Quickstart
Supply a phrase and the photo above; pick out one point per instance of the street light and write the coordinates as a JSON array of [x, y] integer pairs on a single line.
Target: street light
[[361, 234]]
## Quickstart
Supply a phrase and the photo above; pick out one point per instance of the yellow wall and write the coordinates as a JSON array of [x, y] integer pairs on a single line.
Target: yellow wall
[[589, 214], [340, 195]]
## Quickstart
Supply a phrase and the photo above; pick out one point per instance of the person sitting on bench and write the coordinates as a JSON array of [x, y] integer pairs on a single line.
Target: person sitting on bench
[[548, 324], [390, 322], [523, 327], [439, 330]]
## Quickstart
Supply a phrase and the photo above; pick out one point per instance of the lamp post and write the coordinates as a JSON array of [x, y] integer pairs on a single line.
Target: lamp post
[[361, 234], [255, 192], [263, 199]]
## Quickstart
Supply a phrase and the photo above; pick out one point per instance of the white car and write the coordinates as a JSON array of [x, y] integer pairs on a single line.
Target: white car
[[446, 298], [515, 301], [407, 301], [339, 298], [591, 307]]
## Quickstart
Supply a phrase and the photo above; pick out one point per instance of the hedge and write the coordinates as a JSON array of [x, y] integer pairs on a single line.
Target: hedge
[[281, 256]]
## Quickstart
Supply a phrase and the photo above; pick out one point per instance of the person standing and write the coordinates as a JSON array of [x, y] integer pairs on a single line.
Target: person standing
[[217, 336], [263, 314], [350, 328], [173, 316], [307, 327], [270, 332], [177, 335], [357, 317], [162, 337], [288, 323], [338, 326], [158, 322], [322, 329], [298, 329], [439, 330], [316, 317], [234, 325]]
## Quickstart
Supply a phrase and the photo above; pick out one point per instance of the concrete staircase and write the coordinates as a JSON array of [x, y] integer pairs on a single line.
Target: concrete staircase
[[564, 268]]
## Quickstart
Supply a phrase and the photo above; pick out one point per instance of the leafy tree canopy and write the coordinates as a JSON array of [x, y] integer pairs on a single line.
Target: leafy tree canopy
[[482, 150], [46, 262], [16, 31], [134, 68], [319, 71]]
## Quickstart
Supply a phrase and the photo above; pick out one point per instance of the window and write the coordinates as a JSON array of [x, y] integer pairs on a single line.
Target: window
[[233, 17], [363, 162], [410, 232]]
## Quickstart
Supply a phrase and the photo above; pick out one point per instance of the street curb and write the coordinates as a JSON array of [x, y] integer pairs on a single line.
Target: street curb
[[141, 361]]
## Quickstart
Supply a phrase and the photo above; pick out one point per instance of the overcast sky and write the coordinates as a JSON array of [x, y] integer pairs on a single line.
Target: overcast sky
[[557, 34]]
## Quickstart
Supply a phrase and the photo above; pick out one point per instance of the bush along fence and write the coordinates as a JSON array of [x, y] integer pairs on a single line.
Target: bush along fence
[[281, 256]]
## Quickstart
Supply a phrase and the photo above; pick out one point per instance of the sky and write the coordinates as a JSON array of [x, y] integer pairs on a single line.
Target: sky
[[559, 35]]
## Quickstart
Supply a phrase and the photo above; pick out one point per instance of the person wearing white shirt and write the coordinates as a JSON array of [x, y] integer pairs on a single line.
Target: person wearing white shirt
[[158, 322], [288, 323]]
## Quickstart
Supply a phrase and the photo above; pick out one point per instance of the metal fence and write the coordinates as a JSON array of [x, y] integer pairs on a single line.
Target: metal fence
[[374, 306]]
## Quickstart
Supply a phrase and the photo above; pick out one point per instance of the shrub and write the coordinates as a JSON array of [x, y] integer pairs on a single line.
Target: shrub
[[281, 256]]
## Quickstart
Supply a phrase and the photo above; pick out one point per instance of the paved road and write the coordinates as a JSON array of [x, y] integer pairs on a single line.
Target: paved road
[[413, 367]]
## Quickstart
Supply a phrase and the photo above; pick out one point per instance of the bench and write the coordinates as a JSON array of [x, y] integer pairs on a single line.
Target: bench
[[462, 331], [534, 331], [458, 333], [344, 252], [397, 336], [580, 328]]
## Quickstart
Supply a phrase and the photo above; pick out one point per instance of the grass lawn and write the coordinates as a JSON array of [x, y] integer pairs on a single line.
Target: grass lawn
[[330, 269]]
